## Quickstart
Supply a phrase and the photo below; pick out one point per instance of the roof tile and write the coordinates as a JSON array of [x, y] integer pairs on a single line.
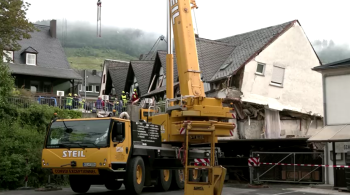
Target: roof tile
[[211, 56], [143, 72], [50, 56], [118, 70], [246, 45]]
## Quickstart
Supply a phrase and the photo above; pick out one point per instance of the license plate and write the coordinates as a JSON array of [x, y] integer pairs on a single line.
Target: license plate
[[75, 171], [89, 164]]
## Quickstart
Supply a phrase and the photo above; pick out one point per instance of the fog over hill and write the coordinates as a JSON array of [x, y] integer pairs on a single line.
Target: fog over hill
[[80, 40]]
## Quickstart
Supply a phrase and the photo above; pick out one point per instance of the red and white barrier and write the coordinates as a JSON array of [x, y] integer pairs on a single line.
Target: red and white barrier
[[233, 116], [255, 162], [201, 162], [182, 131], [306, 165]]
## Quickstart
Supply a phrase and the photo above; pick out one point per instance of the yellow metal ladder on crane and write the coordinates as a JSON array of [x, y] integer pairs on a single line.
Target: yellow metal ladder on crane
[[216, 174]]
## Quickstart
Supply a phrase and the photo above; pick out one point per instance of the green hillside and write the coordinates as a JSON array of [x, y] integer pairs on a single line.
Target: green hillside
[[85, 50], [91, 58]]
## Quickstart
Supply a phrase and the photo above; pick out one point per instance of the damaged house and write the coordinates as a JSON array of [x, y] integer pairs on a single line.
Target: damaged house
[[267, 74], [113, 77]]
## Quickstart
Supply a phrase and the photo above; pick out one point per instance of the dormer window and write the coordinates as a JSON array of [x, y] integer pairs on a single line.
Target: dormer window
[[30, 55], [9, 56], [31, 59]]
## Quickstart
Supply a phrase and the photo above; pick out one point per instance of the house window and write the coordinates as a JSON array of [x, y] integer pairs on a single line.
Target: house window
[[104, 78], [31, 59], [80, 87], [34, 86], [97, 89], [260, 69], [89, 88], [9, 55], [47, 87], [277, 76]]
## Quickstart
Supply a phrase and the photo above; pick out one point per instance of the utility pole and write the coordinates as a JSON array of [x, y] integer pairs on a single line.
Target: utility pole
[[85, 83]]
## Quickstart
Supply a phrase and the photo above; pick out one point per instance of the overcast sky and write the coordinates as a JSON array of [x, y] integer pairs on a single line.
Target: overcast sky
[[321, 19]]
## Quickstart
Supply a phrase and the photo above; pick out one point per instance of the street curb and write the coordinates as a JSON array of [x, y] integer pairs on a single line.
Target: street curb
[[47, 189], [26, 188], [326, 187], [257, 186]]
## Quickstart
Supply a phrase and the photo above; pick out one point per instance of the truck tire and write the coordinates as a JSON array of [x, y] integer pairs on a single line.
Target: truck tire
[[78, 184], [164, 180], [178, 179], [135, 175], [113, 185], [194, 175]]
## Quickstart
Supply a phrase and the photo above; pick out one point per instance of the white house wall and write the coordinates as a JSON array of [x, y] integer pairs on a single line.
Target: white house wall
[[103, 85], [302, 88], [304, 129], [253, 129]]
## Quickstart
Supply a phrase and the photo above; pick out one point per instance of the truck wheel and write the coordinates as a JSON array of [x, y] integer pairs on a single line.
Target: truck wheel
[[113, 185], [194, 175], [78, 184], [164, 180], [135, 175], [178, 179]]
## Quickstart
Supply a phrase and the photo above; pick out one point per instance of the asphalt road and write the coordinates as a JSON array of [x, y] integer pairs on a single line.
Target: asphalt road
[[228, 190]]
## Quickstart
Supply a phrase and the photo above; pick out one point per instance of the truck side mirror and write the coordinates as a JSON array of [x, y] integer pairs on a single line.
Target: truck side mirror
[[117, 132]]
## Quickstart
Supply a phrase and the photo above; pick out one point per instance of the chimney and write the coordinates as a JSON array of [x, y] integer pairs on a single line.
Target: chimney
[[196, 35], [141, 56], [53, 28], [94, 72]]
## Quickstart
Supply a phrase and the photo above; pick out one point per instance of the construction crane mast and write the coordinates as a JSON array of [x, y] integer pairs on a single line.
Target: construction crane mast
[[192, 118], [185, 47], [99, 21]]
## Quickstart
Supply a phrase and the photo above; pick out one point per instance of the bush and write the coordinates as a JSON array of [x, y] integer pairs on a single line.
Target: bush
[[22, 135]]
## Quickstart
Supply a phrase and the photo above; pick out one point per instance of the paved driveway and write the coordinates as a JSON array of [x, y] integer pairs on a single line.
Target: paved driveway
[[228, 190]]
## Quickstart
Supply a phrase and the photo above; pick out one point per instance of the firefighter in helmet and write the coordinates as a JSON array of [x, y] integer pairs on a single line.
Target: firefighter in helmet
[[124, 99], [69, 101]]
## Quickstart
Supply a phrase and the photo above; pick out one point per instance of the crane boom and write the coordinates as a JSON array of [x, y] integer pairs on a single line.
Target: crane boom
[[186, 49]]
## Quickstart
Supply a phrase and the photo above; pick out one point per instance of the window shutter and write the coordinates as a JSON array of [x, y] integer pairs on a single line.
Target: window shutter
[[277, 75]]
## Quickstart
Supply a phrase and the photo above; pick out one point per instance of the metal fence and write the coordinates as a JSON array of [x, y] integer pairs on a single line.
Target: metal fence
[[63, 103], [288, 167], [82, 105]]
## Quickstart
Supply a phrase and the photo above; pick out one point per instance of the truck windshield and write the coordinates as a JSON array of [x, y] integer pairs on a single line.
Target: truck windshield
[[78, 134]]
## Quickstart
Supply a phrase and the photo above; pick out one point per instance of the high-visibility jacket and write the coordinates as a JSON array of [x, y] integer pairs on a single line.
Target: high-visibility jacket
[[69, 101], [124, 100], [82, 103], [116, 106]]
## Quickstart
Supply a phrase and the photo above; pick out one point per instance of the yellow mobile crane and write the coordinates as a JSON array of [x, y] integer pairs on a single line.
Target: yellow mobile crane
[[115, 151], [192, 118]]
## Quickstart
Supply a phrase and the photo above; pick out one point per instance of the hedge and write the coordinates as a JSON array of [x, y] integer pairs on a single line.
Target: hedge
[[22, 134]]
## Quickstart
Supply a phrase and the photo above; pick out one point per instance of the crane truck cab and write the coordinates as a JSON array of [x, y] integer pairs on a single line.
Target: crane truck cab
[[111, 152]]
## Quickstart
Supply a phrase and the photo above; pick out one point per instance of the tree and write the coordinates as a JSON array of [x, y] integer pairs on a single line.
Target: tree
[[14, 25], [6, 83]]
